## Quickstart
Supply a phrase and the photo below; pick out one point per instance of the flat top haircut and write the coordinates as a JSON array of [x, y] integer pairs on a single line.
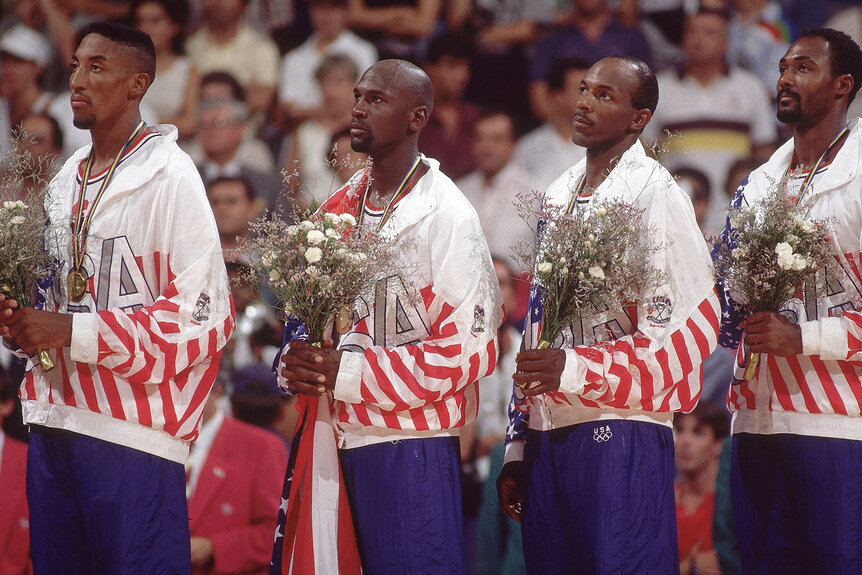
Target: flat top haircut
[[137, 44], [845, 56]]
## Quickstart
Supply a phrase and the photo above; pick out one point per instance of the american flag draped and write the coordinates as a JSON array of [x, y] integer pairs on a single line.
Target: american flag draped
[[314, 534]]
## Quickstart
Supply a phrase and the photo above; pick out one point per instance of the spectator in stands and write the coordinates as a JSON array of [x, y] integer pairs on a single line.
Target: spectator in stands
[[174, 94], [696, 185], [224, 149], [234, 475], [234, 206], [849, 21], [759, 35], [309, 151], [720, 112], [225, 43], [504, 31], [492, 187], [14, 520], [50, 18], [395, 26], [737, 172], [24, 54], [448, 135], [43, 140], [220, 86], [498, 538], [593, 33], [698, 437], [256, 399], [299, 95], [548, 151]]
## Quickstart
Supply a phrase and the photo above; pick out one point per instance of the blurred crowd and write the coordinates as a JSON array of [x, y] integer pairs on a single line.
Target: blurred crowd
[[261, 92]]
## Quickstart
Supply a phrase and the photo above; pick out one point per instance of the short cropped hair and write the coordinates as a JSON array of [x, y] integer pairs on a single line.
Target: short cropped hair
[[557, 74], [250, 193], [845, 56], [226, 78], [456, 45], [138, 43], [714, 416], [645, 95]]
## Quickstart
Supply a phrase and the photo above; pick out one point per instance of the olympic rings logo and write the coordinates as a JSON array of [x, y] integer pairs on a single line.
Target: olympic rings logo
[[601, 434]]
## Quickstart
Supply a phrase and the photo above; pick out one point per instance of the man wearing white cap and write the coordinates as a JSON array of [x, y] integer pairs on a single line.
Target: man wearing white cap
[[24, 54]]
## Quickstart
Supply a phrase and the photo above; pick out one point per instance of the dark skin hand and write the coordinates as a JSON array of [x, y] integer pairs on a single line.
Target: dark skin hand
[[509, 489], [311, 370], [33, 329], [769, 332], [539, 365]]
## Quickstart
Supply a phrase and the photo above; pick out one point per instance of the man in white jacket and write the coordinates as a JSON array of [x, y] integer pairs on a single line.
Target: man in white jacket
[[134, 319], [405, 378], [797, 431], [589, 459]]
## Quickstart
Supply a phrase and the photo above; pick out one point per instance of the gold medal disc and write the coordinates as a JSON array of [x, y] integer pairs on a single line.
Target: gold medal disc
[[76, 282], [343, 320]]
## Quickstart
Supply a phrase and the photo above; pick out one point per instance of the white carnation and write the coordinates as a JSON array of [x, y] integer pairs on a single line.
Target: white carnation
[[348, 219], [331, 219], [544, 267], [596, 272], [315, 237], [313, 255], [330, 233], [312, 271], [601, 212], [292, 230], [306, 225], [17, 220]]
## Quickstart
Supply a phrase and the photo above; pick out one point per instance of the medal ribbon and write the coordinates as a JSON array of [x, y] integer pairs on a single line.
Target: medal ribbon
[[82, 225], [836, 141], [403, 188], [577, 193]]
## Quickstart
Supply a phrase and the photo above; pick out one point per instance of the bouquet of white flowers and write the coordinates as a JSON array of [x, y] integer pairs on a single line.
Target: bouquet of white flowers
[[771, 247], [594, 258], [23, 260], [317, 267]]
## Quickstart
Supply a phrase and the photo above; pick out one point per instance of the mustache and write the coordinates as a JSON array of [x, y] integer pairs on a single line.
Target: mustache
[[790, 93]]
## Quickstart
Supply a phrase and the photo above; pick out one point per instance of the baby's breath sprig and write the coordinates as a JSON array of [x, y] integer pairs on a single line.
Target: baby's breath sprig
[[595, 258], [771, 248]]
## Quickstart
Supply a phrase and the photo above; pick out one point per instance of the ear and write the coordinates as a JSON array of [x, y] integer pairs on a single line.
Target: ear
[[418, 118], [640, 120], [843, 84], [138, 85]]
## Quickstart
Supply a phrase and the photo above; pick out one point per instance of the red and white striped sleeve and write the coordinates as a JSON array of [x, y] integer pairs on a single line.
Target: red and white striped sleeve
[[658, 366], [464, 309], [834, 338], [189, 321], [646, 370]]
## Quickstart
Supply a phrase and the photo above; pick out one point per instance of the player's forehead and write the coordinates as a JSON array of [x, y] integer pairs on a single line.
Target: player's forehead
[[97, 47]]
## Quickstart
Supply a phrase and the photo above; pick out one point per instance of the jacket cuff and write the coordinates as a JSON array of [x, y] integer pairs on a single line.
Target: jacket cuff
[[85, 338], [574, 374], [514, 451], [348, 383], [826, 338]]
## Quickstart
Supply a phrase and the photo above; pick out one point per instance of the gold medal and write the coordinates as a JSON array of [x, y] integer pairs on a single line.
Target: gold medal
[[343, 320], [76, 282]]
